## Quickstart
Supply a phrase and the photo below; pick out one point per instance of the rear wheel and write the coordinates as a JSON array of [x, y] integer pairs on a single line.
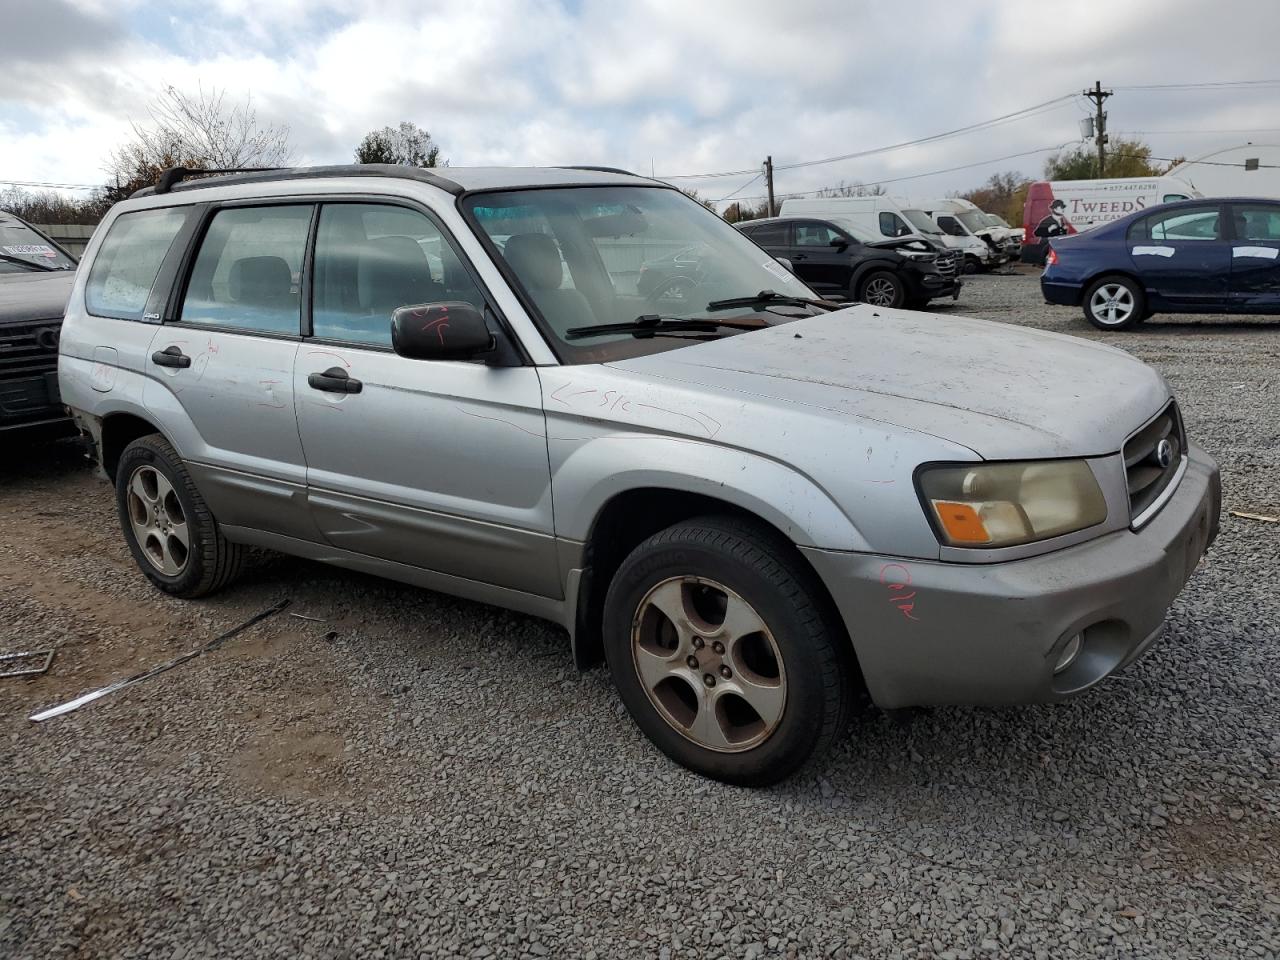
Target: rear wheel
[[172, 535], [725, 653], [1115, 303], [882, 288]]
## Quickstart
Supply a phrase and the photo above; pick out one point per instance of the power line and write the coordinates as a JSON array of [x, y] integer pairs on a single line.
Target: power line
[[1222, 84], [1008, 117], [52, 186], [1159, 133], [931, 173], [1022, 114]]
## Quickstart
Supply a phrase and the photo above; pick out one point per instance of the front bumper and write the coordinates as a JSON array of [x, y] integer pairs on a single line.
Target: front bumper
[[931, 286], [31, 403], [949, 633]]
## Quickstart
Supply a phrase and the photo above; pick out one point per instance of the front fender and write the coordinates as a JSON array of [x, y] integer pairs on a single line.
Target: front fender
[[589, 472]]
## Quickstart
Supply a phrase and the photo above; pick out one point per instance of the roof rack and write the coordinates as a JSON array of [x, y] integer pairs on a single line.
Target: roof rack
[[576, 166], [174, 178]]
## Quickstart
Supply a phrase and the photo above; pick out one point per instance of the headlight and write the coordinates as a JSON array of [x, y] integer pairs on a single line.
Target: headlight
[[1004, 504]]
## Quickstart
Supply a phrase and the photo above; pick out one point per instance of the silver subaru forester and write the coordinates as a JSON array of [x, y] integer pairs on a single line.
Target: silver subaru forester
[[579, 394]]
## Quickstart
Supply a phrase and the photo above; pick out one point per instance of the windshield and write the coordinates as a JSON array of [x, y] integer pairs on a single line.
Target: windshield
[[921, 221], [588, 256], [973, 220], [20, 245]]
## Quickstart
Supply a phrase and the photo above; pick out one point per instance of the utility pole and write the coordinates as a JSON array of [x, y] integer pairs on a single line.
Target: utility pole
[[768, 179], [1098, 95]]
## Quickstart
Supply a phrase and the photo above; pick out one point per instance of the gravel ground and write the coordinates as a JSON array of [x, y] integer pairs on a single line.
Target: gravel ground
[[421, 776]]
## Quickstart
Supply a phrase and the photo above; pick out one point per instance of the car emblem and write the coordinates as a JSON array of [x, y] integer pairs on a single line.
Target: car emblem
[[47, 338], [1164, 452]]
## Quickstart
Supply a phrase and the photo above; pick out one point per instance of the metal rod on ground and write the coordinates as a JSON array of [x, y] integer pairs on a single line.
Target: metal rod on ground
[[101, 692]]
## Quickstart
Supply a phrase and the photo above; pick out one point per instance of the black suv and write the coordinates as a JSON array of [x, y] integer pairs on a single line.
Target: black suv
[[35, 281], [835, 264]]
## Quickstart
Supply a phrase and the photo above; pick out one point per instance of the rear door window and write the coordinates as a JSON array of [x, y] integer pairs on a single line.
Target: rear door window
[[771, 234], [128, 260], [248, 272], [1183, 225]]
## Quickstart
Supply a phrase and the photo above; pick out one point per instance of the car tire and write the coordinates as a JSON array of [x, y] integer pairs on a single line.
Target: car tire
[[749, 698], [172, 535], [971, 264], [881, 288], [1115, 303]]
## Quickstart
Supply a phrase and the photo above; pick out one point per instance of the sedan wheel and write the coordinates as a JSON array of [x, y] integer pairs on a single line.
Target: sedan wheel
[[709, 664], [1114, 303]]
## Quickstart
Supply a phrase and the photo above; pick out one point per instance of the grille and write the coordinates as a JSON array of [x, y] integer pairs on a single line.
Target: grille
[[1148, 477], [947, 263], [28, 347]]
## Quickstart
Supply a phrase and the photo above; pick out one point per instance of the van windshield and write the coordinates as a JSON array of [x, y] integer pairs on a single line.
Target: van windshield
[[921, 221], [973, 220], [589, 256]]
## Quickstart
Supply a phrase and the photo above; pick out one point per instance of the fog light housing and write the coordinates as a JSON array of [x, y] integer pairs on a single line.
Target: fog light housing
[[1069, 653]]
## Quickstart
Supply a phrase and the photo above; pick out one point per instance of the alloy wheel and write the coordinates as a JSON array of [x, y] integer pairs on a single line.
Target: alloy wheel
[[709, 664], [880, 292], [158, 522], [1112, 304]]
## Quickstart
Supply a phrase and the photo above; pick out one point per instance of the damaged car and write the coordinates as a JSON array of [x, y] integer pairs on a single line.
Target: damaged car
[[751, 503], [35, 281]]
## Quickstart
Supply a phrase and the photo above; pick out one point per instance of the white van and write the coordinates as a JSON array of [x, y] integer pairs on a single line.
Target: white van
[[888, 217], [959, 218]]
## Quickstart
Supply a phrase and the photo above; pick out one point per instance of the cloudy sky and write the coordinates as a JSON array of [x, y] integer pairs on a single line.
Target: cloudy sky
[[668, 86]]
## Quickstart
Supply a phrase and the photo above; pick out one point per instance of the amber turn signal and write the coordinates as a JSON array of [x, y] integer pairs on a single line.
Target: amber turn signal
[[961, 522]]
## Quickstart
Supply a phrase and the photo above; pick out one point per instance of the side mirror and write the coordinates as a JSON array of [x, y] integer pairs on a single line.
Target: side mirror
[[840, 244], [786, 263], [454, 330]]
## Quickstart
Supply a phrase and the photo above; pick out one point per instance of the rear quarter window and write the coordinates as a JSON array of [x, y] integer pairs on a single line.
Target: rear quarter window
[[128, 260]]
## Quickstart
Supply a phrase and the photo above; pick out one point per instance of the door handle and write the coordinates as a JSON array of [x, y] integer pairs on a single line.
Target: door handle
[[171, 357], [334, 380], [800, 256]]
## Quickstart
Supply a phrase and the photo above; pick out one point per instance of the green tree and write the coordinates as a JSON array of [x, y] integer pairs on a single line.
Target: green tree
[[1125, 158], [407, 145]]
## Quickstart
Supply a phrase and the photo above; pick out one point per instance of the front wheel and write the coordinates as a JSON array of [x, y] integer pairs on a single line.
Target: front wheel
[[882, 288], [1115, 303], [725, 653]]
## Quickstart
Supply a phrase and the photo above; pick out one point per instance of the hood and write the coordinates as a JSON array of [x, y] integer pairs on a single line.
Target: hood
[[1004, 392], [35, 296]]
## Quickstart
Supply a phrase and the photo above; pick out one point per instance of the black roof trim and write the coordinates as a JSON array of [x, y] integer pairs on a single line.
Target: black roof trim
[[576, 166], [173, 179]]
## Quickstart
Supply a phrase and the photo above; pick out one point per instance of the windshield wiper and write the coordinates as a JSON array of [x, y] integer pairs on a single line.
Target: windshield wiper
[[771, 296], [653, 325], [26, 263]]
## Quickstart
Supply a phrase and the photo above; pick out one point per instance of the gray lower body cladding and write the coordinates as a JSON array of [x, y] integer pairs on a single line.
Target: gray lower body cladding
[[946, 633]]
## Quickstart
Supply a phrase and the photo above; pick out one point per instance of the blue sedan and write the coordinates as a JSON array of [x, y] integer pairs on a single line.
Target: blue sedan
[[1194, 256]]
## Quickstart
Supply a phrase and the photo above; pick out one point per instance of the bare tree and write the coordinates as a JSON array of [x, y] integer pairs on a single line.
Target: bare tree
[[855, 189], [407, 145], [200, 131]]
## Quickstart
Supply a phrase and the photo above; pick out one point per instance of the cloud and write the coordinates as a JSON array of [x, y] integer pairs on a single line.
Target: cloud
[[676, 87]]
